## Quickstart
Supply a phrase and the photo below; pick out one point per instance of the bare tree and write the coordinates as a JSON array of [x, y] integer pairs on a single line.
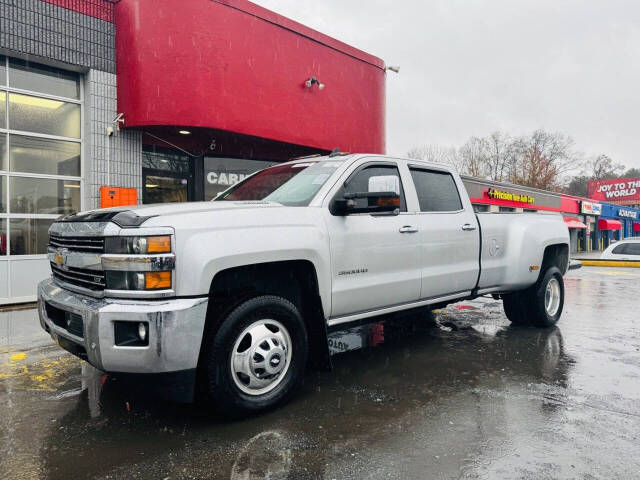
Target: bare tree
[[604, 167], [500, 156], [437, 154], [543, 159], [473, 157]]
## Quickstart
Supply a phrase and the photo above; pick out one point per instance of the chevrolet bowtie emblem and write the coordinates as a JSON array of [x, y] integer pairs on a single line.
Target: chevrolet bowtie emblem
[[59, 259]]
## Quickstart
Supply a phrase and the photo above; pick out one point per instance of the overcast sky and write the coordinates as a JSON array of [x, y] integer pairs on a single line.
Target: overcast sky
[[469, 67]]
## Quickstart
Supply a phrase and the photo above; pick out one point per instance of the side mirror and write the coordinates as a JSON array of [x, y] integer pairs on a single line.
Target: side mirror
[[366, 202]]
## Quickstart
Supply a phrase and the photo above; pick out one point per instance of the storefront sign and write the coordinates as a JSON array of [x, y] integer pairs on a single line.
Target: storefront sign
[[627, 213], [220, 173], [589, 208], [615, 189], [496, 194], [225, 178]]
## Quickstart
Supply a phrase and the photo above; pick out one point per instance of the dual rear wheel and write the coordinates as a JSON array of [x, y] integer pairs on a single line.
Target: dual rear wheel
[[539, 305]]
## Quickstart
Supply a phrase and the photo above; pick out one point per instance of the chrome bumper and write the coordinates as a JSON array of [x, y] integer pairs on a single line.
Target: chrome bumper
[[176, 327]]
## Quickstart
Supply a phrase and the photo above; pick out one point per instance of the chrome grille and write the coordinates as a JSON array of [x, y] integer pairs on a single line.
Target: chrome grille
[[80, 277], [77, 244]]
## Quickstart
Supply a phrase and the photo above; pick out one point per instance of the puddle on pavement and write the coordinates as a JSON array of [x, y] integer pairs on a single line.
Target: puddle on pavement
[[388, 376]]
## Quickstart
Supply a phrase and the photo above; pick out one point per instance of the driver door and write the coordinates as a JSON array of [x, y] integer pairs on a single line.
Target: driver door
[[374, 257]]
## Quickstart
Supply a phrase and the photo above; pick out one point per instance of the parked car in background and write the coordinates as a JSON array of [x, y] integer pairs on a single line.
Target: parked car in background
[[628, 249]]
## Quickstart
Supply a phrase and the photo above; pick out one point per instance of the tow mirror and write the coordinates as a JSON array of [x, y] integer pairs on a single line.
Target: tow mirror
[[367, 202]]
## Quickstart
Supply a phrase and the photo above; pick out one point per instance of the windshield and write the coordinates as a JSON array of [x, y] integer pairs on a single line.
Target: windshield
[[294, 184]]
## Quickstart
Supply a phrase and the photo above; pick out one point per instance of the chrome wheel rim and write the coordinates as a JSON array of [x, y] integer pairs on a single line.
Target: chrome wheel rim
[[552, 297], [261, 357]]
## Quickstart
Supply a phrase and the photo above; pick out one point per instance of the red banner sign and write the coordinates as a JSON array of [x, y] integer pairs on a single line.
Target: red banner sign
[[615, 189]]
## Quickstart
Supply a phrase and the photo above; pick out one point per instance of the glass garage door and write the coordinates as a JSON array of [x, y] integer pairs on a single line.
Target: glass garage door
[[40, 168]]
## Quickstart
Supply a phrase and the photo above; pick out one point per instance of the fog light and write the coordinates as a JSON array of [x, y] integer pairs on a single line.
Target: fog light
[[142, 331], [131, 334]]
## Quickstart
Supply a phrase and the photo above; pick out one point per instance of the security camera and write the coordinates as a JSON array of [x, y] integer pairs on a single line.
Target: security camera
[[393, 68], [109, 131]]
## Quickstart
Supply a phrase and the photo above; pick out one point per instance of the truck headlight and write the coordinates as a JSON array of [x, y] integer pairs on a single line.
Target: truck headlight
[[138, 280], [138, 245]]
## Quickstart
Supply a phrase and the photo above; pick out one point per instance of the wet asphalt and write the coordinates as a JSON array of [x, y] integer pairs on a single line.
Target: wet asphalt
[[457, 394]]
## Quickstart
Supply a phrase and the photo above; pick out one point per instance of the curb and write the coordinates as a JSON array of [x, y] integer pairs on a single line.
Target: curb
[[611, 263]]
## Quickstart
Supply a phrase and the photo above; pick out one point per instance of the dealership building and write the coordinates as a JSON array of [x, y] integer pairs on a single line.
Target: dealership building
[[107, 102]]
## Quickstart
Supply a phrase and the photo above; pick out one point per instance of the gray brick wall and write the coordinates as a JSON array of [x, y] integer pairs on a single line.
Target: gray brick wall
[[41, 29], [114, 161]]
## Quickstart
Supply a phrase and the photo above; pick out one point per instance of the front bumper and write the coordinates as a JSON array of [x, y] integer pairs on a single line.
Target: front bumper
[[176, 327]]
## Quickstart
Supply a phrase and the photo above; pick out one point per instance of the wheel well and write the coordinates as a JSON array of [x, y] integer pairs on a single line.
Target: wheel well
[[294, 280], [556, 255]]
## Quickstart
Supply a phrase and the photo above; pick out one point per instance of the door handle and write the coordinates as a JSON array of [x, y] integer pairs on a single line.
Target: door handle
[[468, 227], [408, 229]]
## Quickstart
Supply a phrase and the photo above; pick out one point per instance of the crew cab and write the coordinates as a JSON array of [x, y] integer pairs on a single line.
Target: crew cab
[[239, 292]]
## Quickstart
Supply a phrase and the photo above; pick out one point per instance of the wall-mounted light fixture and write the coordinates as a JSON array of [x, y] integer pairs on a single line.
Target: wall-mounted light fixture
[[313, 80], [184, 132]]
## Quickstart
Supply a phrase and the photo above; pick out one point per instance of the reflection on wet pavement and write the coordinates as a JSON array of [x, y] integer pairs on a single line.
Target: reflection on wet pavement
[[455, 394]]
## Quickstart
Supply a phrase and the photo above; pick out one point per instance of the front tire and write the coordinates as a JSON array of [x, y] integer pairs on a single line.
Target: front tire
[[258, 356], [539, 305]]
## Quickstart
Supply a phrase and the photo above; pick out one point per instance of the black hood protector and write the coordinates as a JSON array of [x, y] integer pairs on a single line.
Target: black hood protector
[[122, 218]]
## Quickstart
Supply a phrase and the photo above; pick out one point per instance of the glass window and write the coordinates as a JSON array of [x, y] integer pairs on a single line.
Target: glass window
[[3, 70], [620, 249], [44, 195], [221, 173], [480, 208], [359, 182], [3, 237], [29, 236], [3, 110], [3, 198], [41, 155], [165, 189], [437, 191], [3, 152], [157, 158], [507, 209], [633, 248], [41, 78], [43, 115], [294, 184]]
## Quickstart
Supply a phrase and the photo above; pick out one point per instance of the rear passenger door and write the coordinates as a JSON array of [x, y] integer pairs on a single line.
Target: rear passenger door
[[449, 236]]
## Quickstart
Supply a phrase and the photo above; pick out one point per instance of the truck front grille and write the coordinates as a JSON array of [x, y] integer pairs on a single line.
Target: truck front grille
[[80, 277], [77, 244], [71, 322]]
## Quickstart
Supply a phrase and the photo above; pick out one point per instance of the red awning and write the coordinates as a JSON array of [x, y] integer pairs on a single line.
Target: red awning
[[608, 224], [573, 222], [636, 226]]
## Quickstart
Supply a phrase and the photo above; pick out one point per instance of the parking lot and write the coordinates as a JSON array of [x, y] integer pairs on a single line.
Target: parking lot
[[457, 394]]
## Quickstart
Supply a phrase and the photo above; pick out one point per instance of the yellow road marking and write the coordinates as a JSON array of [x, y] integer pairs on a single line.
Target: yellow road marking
[[610, 263]]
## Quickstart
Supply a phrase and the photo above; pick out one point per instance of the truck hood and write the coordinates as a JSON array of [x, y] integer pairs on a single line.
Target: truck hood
[[162, 209]]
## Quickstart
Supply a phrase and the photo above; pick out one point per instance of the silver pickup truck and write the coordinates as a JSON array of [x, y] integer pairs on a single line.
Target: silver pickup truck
[[238, 293]]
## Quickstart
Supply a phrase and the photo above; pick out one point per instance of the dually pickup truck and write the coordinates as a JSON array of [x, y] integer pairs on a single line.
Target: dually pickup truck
[[239, 293]]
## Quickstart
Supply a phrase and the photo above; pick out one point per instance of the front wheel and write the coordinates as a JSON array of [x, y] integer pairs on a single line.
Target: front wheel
[[539, 305], [258, 356]]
